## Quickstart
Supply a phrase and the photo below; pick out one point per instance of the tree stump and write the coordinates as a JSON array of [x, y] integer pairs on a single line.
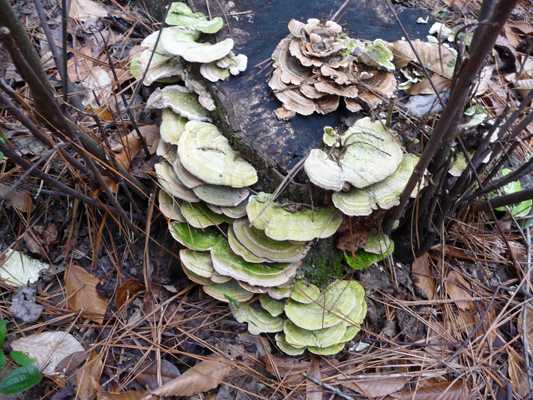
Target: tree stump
[[245, 104]]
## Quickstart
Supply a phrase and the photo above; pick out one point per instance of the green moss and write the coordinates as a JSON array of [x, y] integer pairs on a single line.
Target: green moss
[[323, 263]]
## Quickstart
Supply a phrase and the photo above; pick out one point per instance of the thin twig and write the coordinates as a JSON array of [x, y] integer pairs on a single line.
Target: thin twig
[[326, 386]]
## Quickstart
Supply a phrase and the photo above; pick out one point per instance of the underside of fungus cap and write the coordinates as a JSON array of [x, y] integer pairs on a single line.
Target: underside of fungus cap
[[205, 153], [198, 262], [259, 244], [371, 154], [241, 250], [258, 321], [285, 347], [170, 182], [194, 238], [377, 243], [226, 262], [303, 225], [162, 67], [228, 291], [180, 100]]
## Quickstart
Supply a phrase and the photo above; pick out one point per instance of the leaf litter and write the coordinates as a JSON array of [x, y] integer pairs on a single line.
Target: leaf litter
[[177, 337]]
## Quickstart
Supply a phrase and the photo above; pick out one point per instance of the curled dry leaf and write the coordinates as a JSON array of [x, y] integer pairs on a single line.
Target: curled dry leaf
[[204, 376], [48, 348], [441, 391], [375, 387], [82, 10], [518, 375], [129, 395], [455, 286], [126, 291], [421, 270], [148, 373], [18, 199], [81, 293]]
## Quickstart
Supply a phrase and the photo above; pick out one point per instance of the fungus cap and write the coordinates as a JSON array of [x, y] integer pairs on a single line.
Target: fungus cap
[[170, 182], [228, 291], [193, 238], [207, 154], [304, 225], [180, 100]]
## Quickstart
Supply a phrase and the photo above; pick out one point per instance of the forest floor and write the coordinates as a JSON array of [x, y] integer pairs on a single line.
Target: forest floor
[[112, 315]]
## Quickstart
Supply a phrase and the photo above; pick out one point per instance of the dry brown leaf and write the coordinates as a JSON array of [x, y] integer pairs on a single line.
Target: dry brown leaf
[[18, 199], [149, 370], [375, 387], [421, 270], [33, 245], [126, 291], [529, 325], [99, 83], [82, 10], [290, 369], [518, 375], [312, 390], [202, 377], [456, 391], [435, 57], [524, 27], [424, 86], [484, 79], [87, 377], [79, 67], [81, 292], [454, 285], [512, 37]]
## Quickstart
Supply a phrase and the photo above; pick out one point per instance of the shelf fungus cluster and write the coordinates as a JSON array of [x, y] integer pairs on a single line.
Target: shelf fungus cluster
[[319, 321], [317, 64], [365, 168], [169, 54]]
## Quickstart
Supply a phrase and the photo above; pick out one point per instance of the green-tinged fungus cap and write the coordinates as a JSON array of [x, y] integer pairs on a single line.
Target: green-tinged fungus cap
[[207, 154], [178, 42], [198, 262], [258, 321], [193, 238], [279, 293], [236, 212], [330, 308], [260, 245], [162, 67], [364, 259], [212, 72], [304, 292], [223, 196], [226, 262], [241, 250], [371, 155], [215, 209], [385, 194], [169, 207], [198, 215], [377, 54], [326, 337], [377, 243], [327, 351], [180, 100], [287, 348], [181, 15], [303, 225], [217, 278], [228, 291], [197, 278], [170, 182], [172, 126], [274, 307]]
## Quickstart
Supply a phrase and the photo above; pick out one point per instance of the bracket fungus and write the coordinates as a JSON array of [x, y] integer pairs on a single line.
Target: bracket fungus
[[180, 100], [369, 154], [317, 64], [207, 154], [280, 224], [258, 321]]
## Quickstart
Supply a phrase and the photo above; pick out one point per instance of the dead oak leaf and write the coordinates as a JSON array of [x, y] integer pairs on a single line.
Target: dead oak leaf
[[202, 377], [81, 293], [455, 286], [375, 387], [421, 270]]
